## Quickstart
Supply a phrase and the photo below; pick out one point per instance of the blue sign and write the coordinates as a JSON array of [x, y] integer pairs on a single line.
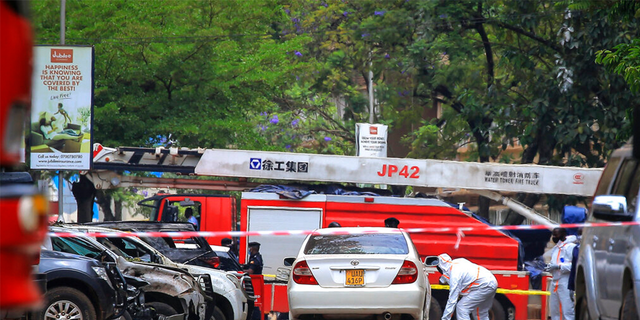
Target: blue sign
[[255, 164]]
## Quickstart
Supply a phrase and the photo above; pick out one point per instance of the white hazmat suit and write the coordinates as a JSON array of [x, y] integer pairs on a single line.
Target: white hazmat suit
[[474, 283], [560, 303]]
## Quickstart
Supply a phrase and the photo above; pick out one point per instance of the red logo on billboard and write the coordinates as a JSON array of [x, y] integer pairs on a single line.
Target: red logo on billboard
[[578, 178], [373, 130], [62, 55]]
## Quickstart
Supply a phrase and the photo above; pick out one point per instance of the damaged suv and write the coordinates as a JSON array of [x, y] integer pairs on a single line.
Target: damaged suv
[[230, 297], [170, 291]]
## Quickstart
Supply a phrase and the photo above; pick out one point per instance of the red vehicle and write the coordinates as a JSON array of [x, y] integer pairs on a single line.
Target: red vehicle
[[22, 207], [270, 211]]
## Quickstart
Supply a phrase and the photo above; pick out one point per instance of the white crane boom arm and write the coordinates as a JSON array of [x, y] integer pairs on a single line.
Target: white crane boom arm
[[397, 171]]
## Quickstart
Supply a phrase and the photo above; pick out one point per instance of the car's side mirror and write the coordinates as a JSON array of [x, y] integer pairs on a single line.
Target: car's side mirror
[[611, 208], [288, 261], [431, 261]]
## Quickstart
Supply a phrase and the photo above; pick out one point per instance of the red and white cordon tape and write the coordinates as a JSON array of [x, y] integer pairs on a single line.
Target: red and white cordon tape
[[458, 230]]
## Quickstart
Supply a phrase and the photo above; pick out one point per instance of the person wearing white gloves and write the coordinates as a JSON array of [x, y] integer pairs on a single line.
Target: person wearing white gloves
[[474, 283], [560, 303]]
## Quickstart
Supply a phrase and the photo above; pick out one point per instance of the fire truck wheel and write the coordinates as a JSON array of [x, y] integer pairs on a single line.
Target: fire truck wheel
[[66, 303], [629, 308], [497, 311], [162, 308]]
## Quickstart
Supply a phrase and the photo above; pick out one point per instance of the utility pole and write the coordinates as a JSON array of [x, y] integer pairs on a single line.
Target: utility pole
[[63, 9], [370, 91]]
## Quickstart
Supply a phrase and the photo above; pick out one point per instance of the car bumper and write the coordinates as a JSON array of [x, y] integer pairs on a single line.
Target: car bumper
[[395, 299]]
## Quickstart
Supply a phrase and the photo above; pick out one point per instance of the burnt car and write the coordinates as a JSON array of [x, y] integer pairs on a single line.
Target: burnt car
[[188, 250], [230, 297], [171, 292]]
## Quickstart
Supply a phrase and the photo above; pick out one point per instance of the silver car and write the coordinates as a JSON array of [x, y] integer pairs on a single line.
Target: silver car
[[608, 268], [349, 272]]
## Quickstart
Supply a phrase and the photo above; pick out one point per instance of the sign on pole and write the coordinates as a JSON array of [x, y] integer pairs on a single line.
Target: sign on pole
[[371, 140], [60, 130]]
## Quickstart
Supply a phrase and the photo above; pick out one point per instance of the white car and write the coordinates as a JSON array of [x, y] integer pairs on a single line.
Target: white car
[[349, 272]]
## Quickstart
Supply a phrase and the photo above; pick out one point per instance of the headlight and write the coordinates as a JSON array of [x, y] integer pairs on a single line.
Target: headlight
[[30, 209], [102, 273]]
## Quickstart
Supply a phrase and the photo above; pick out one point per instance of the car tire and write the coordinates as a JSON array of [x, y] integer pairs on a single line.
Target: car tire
[[629, 307], [65, 301], [218, 314], [497, 311], [583, 310], [435, 310], [162, 308]]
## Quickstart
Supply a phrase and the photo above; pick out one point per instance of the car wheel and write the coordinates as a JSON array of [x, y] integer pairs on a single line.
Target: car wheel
[[629, 308], [66, 303], [218, 314], [497, 311], [162, 308], [435, 310], [583, 309]]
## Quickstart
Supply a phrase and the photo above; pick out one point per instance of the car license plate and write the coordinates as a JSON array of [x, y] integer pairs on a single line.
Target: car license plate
[[354, 278]]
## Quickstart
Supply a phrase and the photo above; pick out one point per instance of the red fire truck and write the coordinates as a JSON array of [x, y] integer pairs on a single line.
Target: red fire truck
[[22, 207], [275, 211]]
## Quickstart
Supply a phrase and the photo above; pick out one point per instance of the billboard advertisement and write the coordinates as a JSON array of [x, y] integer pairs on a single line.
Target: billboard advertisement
[[59, 134]]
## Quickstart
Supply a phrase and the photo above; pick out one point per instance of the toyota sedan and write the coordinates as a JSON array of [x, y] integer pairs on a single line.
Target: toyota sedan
[[358, 272]]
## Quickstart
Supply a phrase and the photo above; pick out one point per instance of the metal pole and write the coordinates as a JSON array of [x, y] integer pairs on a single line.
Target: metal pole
[[370, 93], [63, 5], [63, 9]]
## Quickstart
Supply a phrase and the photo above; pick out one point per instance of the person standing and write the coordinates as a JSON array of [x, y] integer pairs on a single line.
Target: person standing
[[255, 259], [474, 283], [188, 213], [560, 303]]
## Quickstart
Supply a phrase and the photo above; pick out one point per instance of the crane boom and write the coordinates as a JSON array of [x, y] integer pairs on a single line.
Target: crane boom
[[527, 178]]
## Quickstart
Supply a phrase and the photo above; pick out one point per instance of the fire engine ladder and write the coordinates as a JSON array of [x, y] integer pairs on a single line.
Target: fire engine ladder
[[486, 179]]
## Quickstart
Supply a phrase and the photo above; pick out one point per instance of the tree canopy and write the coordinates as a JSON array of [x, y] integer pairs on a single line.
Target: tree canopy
[[293, 75]]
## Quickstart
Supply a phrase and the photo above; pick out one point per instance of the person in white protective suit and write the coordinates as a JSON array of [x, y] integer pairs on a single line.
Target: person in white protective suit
[[560, 303], [474, 283]]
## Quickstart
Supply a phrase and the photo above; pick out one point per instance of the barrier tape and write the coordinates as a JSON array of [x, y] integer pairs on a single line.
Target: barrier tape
[[459, 231], [500, 290]]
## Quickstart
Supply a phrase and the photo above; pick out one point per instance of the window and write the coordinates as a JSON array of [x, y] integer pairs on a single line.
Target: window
[[607, 176], [357, 244]]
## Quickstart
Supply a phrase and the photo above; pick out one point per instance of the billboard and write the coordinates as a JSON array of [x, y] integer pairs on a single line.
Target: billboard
[[371, 140], [60, 131]]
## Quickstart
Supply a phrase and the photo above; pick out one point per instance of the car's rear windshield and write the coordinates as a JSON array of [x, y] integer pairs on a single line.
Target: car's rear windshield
[[378, 243]]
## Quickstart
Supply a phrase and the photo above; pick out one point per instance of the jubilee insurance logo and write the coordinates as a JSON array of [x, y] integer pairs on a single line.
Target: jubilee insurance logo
[[62, 55]]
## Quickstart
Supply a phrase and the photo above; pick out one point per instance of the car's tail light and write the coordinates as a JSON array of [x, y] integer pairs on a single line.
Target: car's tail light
[[302, 274], [212, 261], [408, 273]]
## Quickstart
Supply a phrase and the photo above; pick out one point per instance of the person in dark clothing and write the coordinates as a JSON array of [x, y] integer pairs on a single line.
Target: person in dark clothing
[[572, 274], [255, 259], [391, 222], [334, 225]]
